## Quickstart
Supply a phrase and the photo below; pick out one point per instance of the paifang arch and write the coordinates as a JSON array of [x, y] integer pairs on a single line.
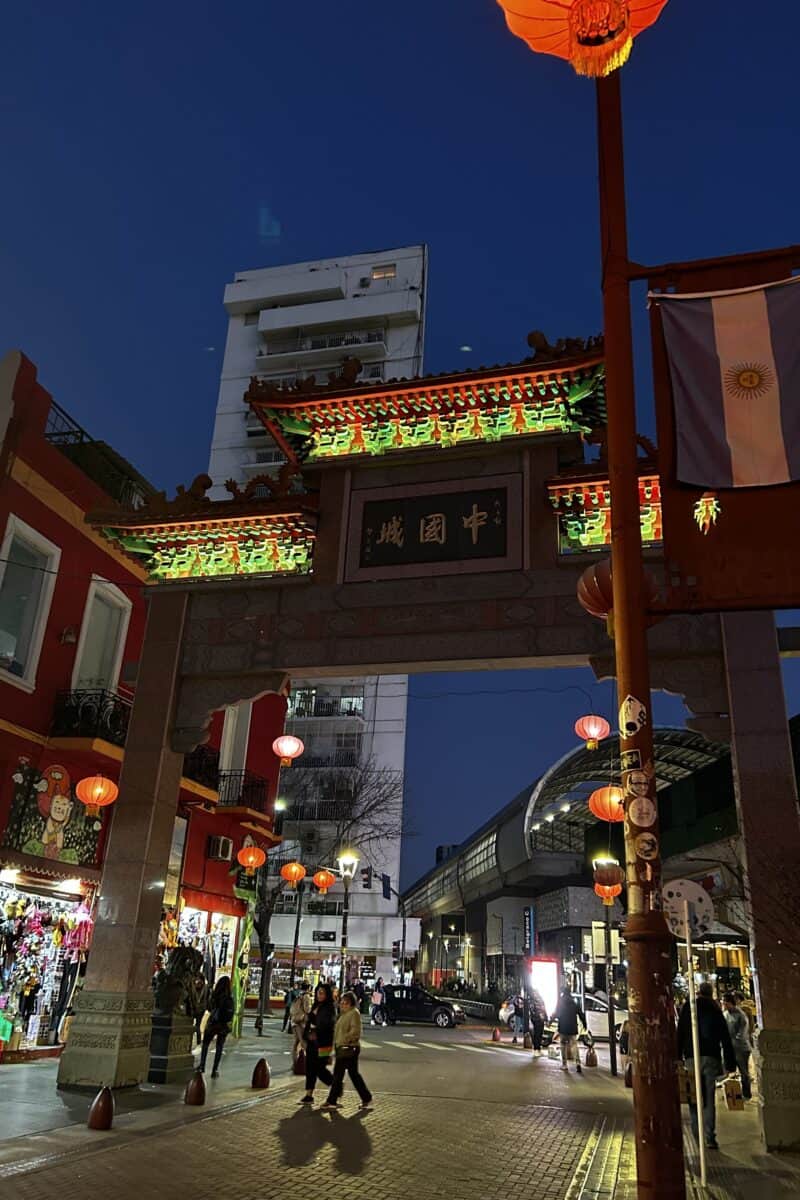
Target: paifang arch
[[436, 524]]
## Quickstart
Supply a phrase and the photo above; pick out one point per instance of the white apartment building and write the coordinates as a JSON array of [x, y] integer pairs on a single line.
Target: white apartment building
[[288, 323], [285, 324]]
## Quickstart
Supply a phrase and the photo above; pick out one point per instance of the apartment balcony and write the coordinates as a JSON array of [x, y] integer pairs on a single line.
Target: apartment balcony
[[337, 758], [324, 706], [310, 350], [293, 287], [312, 810], [95, 720], [400, 307]]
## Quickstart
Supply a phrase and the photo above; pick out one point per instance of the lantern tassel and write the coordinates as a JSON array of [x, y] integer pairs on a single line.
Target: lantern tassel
[[597, 61]]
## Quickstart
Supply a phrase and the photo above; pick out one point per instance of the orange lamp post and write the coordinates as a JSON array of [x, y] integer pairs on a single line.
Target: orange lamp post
[[596, 36]]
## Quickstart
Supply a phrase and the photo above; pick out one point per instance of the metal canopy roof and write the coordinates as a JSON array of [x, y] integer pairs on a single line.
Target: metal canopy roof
[[558, 802]]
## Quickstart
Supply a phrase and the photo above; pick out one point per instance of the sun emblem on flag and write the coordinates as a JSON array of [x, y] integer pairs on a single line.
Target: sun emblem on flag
[[748, 379]]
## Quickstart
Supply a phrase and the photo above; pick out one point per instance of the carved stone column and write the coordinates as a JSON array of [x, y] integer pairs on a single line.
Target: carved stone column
[[766, 797], [110, 1035]]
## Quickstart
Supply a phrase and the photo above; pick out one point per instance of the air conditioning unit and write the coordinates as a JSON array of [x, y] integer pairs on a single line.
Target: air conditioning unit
[[365, 281], [220, 849]]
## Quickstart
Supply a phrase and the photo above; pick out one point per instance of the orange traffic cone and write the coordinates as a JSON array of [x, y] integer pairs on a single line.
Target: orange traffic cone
[[195, 1090], [495, 1034], [260, 1074], [101, 1113]]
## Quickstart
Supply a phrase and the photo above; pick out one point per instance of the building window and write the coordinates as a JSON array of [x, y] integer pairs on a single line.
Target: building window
[[101, 644], [385, 271], [251, 318], [28, 568]]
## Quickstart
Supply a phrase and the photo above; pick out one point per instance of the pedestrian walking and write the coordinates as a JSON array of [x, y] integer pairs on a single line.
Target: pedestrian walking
[[221, 1009], [347, 1040], [568, 1013], [538, 1013], [289, 997], [298, 1015], [739, 1029], [715, 1044], [360, 993], [378, 1012], [318, 1038]]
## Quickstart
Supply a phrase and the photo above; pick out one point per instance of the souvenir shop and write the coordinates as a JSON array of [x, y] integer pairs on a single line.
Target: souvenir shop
[[45, 934]]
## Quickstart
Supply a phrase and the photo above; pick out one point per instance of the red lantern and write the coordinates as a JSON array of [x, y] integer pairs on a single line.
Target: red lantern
[[606, 803], [592, 730], [96, 792], [324, 879], [251, 857], [287, 747], [596, 36], [608, 892], [609, 874], [596, 593], [293, 872]]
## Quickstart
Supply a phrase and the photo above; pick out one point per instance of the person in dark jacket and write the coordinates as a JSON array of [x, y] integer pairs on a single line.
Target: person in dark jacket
[[221, 1008], [715, 1044], [568, 1013], [538, 1013], [318, 1037]]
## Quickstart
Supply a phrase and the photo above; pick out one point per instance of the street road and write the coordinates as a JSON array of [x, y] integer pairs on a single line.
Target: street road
[[455, 1116]]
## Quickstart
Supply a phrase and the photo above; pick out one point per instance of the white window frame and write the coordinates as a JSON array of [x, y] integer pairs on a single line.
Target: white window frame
[[116, 597], [16, 527]]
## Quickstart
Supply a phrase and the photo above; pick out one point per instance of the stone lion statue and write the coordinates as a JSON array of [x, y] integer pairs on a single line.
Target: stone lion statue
[[176, 985]]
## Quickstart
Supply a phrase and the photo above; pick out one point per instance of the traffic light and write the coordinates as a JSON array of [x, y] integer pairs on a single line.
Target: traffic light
[[366, 877], [386, 884]]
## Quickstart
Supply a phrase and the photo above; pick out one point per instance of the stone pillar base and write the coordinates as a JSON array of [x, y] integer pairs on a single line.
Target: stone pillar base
[[108, 1041], [777, 1057], [171, 1058]]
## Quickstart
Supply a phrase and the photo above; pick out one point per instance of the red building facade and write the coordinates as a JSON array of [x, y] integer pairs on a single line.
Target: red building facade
[[72, 618]]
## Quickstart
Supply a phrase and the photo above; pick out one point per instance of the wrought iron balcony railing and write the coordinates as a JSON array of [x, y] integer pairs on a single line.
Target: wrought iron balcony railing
[[303, 708], [92, 713], [243, 789], [96, 459]]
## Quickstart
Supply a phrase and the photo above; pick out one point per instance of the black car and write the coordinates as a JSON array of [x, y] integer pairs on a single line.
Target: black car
[[413, 1003]]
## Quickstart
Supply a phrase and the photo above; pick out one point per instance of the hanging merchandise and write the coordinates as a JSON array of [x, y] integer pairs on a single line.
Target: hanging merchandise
[[44, 943]]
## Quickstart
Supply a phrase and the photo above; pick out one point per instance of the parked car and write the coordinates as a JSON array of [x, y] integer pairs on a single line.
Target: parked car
[[414, 1003], [595, 1008]]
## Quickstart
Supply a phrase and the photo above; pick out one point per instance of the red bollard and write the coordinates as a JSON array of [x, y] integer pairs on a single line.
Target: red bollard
[[495, 1034], [261, 1075], [195, 1089], [101, 1113]]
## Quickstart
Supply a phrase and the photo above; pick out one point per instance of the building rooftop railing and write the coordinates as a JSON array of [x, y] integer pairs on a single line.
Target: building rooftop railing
[[96, 459], [323, 341]]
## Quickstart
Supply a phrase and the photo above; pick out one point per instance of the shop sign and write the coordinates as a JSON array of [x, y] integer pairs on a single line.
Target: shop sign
[[527, 933], [443, 528], [323, 935]]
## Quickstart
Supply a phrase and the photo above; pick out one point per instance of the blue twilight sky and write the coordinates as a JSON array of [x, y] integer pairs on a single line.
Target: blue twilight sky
[[152, 150]]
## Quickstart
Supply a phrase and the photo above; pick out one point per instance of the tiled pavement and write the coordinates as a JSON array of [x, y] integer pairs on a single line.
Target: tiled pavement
[[410, 1145]]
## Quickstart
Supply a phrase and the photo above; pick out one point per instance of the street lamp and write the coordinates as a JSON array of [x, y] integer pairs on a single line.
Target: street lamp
[[347, 861], [596, 37]]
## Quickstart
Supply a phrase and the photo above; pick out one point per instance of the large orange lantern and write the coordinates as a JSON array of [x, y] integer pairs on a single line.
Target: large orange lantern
[[287, 747], [592, 730], [608, 892], [96, 792], [606, 803], [251, 858], [293, 872], [324, 879], [596, 36]]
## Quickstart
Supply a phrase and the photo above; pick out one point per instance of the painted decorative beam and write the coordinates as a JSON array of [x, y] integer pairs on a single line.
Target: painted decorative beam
[[583, 506]]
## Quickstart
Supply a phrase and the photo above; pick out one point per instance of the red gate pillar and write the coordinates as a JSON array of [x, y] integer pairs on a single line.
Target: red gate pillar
[[110, 1035], [766, 799]]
